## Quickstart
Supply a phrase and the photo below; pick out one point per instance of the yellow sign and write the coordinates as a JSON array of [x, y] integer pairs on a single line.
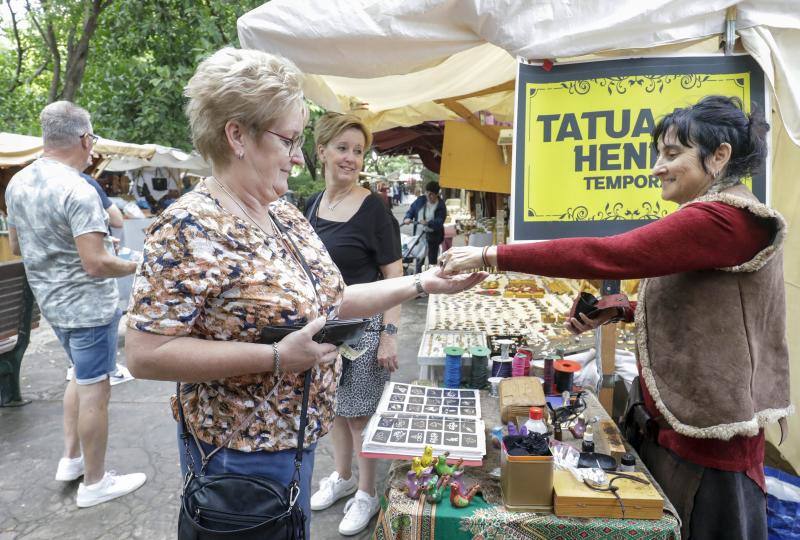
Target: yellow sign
[[586, 154]]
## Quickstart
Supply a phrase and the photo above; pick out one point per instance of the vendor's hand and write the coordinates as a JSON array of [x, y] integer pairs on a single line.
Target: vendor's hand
[[406, 221], [299, 352], [458, 259], [387, 352], [586, 323], [436, 281]]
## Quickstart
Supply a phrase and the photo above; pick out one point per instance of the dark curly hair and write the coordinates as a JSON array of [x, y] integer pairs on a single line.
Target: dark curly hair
[[715, 120]]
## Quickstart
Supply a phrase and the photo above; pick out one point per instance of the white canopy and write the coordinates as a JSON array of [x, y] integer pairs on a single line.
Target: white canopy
[[394, 58], [18, 150], [164, 157]]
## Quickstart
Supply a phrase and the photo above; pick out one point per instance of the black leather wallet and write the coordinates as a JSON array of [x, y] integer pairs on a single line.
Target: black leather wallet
[[336, 331]]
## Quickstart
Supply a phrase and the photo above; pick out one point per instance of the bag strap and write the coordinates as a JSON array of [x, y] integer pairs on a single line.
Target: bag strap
[[187, 430]]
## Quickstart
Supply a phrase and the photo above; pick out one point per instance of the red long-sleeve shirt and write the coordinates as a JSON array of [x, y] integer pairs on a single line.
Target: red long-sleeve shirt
[[701, 236]]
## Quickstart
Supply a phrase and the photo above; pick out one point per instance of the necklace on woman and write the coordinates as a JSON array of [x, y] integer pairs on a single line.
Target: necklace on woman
[[332, 206], [246, 213]]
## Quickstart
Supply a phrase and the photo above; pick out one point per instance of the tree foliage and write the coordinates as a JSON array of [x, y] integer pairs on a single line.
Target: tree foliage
[[126, 61]]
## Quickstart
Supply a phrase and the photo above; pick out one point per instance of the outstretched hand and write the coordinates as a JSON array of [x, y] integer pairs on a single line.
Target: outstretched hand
[[459, 259], [437, 281]]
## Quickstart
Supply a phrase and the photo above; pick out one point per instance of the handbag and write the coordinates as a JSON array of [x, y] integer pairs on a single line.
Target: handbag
[[236, 506]]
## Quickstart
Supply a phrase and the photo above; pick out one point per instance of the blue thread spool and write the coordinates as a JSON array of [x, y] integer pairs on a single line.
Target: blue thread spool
[[452, 366]]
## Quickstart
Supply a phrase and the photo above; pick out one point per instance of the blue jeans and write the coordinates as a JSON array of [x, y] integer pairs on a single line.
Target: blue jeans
[[92, 351], [278, 466]]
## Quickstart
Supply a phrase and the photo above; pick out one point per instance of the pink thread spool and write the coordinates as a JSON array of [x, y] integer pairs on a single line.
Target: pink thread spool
[[521, 363]]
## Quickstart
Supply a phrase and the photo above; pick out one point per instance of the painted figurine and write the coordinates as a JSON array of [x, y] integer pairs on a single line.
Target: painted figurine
[[427, 457], [416, 466], [457, 500], [412, 487], [436, 489], [458, 479], [443, 468]]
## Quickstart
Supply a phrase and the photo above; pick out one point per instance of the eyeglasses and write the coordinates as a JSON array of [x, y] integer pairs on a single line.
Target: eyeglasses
[[94, 138], [291, 144]]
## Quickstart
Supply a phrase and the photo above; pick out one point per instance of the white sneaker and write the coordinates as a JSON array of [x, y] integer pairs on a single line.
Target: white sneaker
[[358, 512], [69, 469], [331, 489], [110, 487]]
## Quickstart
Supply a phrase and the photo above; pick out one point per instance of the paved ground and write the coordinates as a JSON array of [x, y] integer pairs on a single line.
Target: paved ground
[[141, 438]]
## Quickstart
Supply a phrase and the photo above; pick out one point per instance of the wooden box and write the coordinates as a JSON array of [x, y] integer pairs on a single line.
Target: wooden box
[[518, 395], [574, 499]]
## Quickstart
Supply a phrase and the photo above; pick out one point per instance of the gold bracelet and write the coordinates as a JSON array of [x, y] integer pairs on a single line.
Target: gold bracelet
[[483, 256]]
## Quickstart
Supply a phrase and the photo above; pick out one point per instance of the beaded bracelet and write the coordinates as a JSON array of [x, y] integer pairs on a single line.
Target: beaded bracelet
[[276, 360]]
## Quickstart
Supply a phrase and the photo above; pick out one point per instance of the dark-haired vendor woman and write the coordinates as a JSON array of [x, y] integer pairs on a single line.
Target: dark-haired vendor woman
[[710, 320]]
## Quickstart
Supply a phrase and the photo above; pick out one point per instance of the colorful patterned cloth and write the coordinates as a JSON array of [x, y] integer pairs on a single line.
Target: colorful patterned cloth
[[209, 275], [402, 518]]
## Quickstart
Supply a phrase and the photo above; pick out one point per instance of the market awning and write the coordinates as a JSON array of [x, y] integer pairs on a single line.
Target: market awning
[[394, 61], [424, 140], [18, 150], [161, 156]]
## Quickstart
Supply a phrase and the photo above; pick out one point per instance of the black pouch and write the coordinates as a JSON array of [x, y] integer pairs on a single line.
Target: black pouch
[[637, 424], [337, 332]]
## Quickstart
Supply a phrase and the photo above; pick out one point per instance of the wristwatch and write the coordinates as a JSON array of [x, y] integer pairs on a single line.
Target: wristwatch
[[390, 329]]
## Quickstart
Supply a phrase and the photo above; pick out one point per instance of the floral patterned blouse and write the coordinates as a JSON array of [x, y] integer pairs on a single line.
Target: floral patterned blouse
[[208, 274]]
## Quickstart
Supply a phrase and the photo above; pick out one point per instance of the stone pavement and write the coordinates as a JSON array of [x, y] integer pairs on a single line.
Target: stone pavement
[[142, 437]]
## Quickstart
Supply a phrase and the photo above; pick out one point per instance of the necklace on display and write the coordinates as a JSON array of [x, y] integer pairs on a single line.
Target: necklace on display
[[332, 206], [246, 213]]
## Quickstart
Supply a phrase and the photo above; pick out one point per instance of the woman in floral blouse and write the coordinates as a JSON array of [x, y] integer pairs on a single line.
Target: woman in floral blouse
[[221, 263]]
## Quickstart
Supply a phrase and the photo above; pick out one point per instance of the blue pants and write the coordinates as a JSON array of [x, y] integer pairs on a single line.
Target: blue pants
[[278, 466]]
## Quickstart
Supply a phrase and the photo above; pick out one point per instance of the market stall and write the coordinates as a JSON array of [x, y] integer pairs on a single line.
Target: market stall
[[447, 61]]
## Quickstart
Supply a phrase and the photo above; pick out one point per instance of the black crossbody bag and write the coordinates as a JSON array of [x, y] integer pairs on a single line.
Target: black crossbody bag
[[228, 506], [234, 506]]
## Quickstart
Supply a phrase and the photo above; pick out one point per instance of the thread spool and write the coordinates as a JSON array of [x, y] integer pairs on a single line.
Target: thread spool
[[452, 366], [548, 374], [564, 373], [520, 364], [500, 367], [479, 372], [505, 346]]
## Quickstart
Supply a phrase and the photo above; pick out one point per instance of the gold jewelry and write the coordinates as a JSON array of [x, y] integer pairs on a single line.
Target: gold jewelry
[[332, 207], [246, 213], [418, 285]]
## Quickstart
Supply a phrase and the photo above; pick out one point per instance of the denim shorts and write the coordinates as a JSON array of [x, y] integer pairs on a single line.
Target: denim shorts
[[92, 351], [278, 466]]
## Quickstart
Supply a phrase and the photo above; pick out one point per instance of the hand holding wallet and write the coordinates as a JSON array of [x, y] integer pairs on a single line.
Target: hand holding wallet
[[336, 332]]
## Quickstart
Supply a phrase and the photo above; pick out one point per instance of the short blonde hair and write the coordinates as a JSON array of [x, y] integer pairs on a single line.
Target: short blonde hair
[[250, 87], [332, 124]]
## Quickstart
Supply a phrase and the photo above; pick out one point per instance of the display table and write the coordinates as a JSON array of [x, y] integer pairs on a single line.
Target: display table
[[407, 519]]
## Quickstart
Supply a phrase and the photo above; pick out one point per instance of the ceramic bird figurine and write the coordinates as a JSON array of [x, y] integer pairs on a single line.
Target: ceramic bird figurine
[[443, 468], [458, 479], [412, 487], [436, 490], [427, 457], [457, 500], [416, 466]]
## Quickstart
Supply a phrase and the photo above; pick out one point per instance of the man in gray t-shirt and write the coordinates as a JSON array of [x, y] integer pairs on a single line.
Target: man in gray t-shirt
[[57, 224]]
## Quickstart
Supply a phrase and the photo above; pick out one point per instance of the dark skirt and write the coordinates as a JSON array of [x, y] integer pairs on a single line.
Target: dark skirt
[[712, 504]]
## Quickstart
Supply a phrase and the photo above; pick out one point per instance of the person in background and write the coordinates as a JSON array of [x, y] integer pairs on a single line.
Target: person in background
[[230, 258], [61, 231], [157, 187], [363, 239], [114, 213], [711, 316], [430, 211]]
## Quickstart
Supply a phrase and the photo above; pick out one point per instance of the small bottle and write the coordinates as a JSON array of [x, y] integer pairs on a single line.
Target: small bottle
[[579, 427], [588, 440], [535, 424], [627, 463]]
